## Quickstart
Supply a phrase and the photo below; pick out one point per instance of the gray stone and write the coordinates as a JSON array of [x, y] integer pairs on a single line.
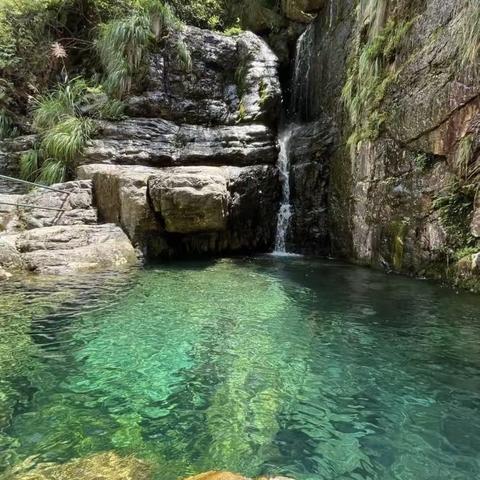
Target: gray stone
[[122, 198], [191, 200], [4, 275], [243, 215], [160, 143], [225, 71], [10, 258], [76, 201], [63, 250]]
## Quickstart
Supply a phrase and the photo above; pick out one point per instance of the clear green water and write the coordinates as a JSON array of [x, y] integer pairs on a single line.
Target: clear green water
[[304, 368]]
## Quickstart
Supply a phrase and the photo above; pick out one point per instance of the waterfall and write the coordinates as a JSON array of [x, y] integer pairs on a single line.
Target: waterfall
[[299, 107], [301, 73], [285, 212]]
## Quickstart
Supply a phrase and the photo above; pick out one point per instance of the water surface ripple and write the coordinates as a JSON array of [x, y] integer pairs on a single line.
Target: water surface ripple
[[309, 369]]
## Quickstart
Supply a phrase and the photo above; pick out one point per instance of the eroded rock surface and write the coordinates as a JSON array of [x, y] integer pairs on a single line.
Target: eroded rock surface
[[64, 240], [399, 167], [232, 79], [103, 466], [189, 210], [191, 200], [64, 250], [161, 143]]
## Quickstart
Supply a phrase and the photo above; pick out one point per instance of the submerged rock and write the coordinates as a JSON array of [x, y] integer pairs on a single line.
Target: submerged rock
[[213, 475], [103, 466]]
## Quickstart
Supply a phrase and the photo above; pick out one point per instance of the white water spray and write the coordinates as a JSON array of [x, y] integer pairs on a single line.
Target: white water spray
[[285, 212]]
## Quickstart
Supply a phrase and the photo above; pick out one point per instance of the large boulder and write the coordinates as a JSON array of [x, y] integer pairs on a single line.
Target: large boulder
[[161, 143], [122, 198], [191, 199], [232, 79], [251, 214], [69, 249], [189, 210]]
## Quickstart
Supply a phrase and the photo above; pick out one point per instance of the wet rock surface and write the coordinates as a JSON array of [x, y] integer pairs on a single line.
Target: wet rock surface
[[193, 170], [103, 466], [390, 196], [232, 79]]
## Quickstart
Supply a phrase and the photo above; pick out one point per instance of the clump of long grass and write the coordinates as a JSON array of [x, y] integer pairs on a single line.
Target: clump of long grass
[[123, 44], [469, 33], [464, 155], [61, 120], [370, 73]]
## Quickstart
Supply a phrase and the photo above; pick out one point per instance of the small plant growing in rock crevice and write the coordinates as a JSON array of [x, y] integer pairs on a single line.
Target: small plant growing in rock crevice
[[464, 155], [455, 207], [370, 73], [468, 33]]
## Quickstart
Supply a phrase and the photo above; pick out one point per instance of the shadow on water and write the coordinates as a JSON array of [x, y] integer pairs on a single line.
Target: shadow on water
[[289, 365]]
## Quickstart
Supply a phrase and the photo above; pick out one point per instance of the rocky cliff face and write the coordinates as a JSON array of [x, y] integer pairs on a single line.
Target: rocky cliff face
[[396, 89], [192, 170]]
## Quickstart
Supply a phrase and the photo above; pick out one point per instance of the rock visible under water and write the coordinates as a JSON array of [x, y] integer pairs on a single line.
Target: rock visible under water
[[223, 475], [213, 475], [104, 466]]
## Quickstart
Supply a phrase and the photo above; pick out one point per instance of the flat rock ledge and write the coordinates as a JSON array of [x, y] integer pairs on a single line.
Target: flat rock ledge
[[66, 242]]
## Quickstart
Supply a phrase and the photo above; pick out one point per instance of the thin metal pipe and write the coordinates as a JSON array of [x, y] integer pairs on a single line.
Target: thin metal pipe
[[32, 206], [6, 177]]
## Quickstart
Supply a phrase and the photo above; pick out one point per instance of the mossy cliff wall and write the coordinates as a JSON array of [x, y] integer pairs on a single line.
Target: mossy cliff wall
[[398, 82]]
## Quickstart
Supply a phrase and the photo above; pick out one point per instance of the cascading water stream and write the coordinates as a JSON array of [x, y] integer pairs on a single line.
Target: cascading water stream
[[285, 212], [301, 76]]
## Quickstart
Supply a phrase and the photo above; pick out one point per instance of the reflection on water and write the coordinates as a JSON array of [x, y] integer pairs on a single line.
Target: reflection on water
[[270, 365]]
